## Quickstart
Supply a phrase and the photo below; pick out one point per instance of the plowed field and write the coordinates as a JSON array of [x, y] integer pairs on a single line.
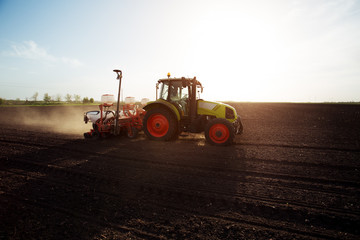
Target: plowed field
[[293, 174]]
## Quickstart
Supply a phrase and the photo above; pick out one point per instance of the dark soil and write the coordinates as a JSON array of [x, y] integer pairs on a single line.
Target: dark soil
[[293, 174]]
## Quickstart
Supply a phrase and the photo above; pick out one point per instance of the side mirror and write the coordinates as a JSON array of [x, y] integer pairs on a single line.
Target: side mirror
[[157, 88]]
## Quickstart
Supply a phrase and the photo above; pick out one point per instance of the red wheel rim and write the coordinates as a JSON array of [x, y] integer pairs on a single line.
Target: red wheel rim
[[219, 133], [157, 125]]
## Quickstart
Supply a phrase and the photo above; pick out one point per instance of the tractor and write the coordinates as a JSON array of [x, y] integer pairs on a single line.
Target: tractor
[[177, 109]]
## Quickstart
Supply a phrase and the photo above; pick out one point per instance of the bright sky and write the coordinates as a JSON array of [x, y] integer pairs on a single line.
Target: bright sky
[[241, 50]]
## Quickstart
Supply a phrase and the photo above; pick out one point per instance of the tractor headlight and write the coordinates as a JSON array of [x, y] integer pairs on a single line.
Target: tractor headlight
[[229, 113]]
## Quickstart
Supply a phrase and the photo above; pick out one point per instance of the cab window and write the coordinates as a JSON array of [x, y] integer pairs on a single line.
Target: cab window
[[164, 91]]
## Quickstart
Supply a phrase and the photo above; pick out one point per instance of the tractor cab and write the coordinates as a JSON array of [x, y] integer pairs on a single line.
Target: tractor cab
[[181, 92]]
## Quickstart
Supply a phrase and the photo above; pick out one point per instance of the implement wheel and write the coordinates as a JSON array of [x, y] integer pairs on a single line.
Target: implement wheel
[[219, 131], [160, 124], [133, 134]]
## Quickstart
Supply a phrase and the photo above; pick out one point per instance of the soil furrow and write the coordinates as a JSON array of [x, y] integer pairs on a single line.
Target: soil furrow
[[171, 189], [266, 223], [210, 168], [292, 174], [304, 146]]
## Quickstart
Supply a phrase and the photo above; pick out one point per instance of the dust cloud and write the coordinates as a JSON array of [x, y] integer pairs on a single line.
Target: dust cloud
[[59, 119]]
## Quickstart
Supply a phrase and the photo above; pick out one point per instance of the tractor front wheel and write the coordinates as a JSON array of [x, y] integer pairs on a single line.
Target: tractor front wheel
[[219, 131], [160, 124]]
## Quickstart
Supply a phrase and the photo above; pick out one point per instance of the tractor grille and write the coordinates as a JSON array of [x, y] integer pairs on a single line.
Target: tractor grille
[[229, 113]]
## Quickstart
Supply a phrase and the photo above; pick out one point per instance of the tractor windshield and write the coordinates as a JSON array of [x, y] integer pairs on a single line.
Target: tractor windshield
[[178, 91], [173, 91]]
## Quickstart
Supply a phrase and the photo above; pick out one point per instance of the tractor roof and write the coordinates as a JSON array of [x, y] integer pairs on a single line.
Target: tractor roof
[[179, 79]]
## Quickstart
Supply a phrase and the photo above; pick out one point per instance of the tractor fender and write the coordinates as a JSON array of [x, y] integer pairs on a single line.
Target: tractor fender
[[163, 104]]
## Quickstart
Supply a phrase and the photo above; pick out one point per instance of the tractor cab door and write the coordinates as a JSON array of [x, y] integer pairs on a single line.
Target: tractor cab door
[[179, 95], [176, 93]]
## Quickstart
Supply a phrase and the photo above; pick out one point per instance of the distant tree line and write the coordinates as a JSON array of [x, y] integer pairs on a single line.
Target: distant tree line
[[47, 99], [75, 98]]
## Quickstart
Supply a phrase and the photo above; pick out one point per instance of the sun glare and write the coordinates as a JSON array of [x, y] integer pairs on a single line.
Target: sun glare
[[244, 48]]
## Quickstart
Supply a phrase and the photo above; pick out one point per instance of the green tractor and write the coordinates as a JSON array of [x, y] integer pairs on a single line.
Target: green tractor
[[177, 109]]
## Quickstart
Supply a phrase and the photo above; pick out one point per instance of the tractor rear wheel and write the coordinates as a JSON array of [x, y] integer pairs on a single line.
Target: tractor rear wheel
[[160, 124], [219, 131]]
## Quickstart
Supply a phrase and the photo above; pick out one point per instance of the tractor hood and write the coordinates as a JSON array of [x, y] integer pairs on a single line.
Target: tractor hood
[[216, 109]]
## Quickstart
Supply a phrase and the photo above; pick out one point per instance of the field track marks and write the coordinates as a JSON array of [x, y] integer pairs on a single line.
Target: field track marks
[[302, 146], [167, 191], [291, 181], [88, 218], [228, 174], [244, 220]]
